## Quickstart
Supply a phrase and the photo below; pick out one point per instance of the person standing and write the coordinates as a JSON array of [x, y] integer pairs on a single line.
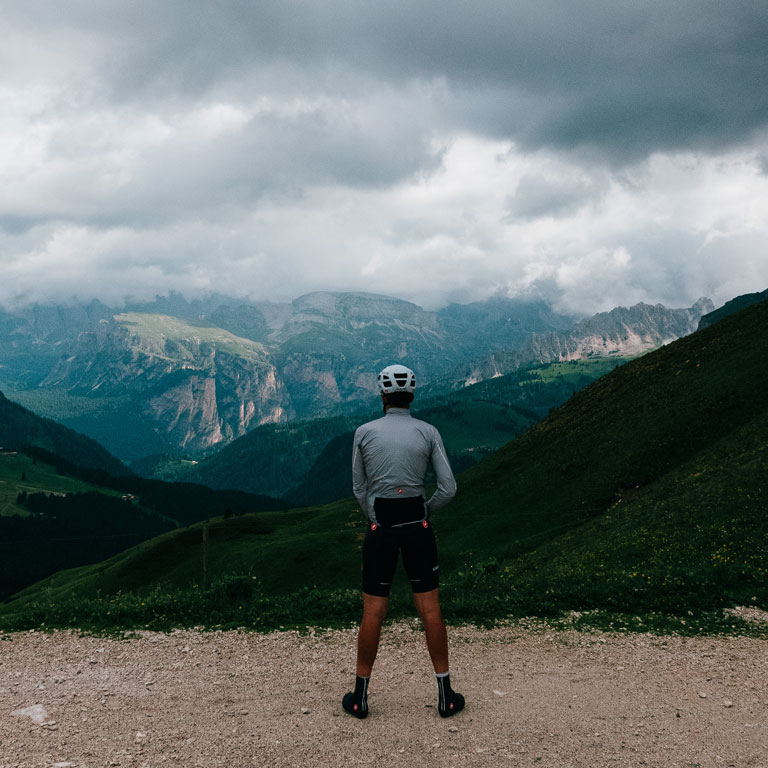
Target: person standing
[[390, 457]]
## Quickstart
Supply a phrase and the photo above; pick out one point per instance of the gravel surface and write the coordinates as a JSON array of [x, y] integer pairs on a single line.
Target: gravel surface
[[535, 697]]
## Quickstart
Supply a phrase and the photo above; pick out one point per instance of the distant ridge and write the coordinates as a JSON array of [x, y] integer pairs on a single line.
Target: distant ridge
[[178, 377]]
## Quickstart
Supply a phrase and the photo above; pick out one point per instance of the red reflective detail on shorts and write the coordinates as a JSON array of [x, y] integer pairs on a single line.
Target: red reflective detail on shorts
[[450, 706], [399, 490], [425, 523], [355, 707], [374, 526]]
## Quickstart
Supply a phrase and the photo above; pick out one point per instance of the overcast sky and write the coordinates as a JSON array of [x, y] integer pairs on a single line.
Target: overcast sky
[[594, 153]]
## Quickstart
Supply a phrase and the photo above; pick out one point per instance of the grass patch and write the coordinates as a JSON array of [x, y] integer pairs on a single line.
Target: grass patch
[[19, 473], [476, 596]]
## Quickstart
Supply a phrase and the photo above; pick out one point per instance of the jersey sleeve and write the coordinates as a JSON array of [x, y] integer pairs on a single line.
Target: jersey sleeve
[[359, 478], [446, 483]]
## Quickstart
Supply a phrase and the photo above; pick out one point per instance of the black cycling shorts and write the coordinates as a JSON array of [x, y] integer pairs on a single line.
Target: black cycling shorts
[[402, 526]]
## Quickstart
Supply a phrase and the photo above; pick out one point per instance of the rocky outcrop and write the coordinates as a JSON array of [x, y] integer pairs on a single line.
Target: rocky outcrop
[[622, 332], [198, 386]]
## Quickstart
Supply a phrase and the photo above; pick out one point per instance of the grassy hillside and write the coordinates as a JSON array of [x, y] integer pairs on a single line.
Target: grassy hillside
[[644, 492], [698, 537], [280, 550], [166, 327], [732, 306], [20, 473], [270, 459], [20, 427], [624, 432]]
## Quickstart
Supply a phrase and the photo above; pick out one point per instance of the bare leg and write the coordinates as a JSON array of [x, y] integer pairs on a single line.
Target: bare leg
[[428, 606], [374, 613]]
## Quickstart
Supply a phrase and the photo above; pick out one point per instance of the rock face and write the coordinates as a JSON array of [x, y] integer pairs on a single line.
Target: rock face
[[174, 374], [198, 386], [329, 347], [620, 332]]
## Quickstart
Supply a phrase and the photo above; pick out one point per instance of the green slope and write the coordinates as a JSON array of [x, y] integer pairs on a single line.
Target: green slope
[[155, 326], [20, 473], [283, 551], [627, 429], [698, 537], [731, 307], [20, 427]]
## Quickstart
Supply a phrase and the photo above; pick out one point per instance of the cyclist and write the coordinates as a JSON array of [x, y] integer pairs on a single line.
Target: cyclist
[[389, 461]]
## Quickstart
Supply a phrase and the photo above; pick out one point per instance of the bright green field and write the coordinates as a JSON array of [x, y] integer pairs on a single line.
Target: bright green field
[[40, 478], [165, 327], [594, 367]]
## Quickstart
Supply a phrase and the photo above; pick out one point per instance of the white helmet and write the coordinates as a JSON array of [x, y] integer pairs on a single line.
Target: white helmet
[[397, 378]]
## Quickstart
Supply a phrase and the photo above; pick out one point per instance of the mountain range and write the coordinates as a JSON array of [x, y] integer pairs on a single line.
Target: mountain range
[[192, 376], [645, 491]]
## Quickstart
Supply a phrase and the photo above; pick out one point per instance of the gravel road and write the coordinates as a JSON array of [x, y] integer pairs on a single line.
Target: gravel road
[[535, 697]]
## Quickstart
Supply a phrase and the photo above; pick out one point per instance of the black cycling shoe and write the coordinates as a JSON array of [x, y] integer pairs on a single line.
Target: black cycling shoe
[[454, 704], [357, 706]]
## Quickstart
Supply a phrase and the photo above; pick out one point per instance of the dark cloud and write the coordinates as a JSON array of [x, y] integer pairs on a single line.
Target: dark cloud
[[627, 78]]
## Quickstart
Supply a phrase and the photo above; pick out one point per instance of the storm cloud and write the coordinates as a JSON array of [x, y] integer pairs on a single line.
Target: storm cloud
[[595, 153]]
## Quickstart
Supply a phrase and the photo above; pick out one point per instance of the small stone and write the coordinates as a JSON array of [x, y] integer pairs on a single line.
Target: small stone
[[702, 695], [453, 729], [62, 765], [304, 711], [243, 712], [140, 736], [500, 693], [728, 703], [36, 713]]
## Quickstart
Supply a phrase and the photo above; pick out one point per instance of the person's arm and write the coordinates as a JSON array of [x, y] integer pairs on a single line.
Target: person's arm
[[359, 478], [446, 483]]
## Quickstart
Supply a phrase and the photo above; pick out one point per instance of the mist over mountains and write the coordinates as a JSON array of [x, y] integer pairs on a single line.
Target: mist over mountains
[[186, 375]]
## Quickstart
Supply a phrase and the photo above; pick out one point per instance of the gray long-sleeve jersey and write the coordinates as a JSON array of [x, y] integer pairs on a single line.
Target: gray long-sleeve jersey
[[390, 458]]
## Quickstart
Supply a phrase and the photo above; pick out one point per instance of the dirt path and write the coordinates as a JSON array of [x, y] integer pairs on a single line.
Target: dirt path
[[534, 698]]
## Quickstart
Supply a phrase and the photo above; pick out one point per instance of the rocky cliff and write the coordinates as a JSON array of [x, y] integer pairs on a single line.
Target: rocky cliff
[[621, 332], [197, 385]]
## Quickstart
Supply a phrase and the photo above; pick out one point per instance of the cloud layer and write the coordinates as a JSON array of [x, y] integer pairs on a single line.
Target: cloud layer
[[594, 153]]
